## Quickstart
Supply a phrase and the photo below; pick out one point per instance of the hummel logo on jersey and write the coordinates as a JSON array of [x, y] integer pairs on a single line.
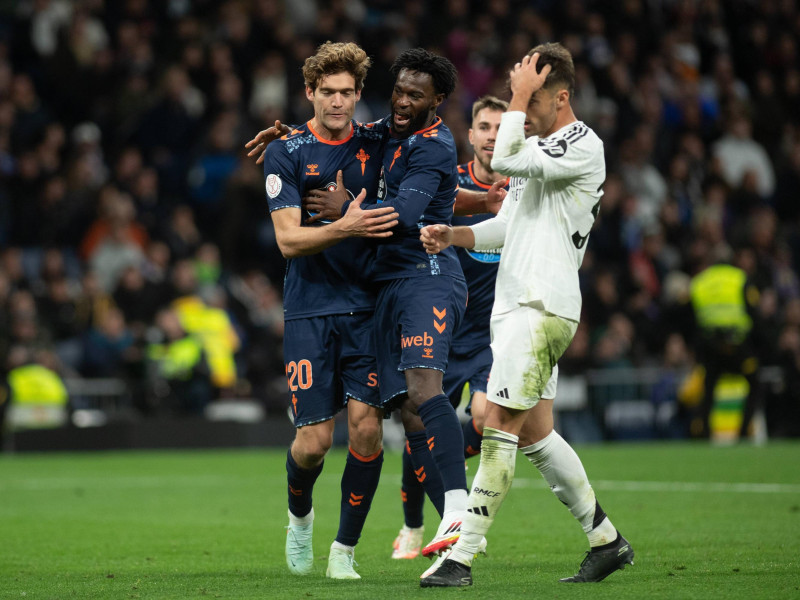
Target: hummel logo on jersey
[[440, 325], [312, 169], [479, 510], [490, 493], [503, 393]]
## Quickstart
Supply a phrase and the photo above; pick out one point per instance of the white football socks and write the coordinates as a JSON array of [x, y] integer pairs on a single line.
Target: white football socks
[[489, 489], [562, 469], [301, 521]]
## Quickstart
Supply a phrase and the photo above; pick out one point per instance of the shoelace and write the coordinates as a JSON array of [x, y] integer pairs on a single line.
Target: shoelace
[[350, 558], [296, 550]]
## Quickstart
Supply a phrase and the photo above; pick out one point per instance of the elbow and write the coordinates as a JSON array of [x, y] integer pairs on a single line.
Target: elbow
[[497, 165], [406, 221], [288, 251]]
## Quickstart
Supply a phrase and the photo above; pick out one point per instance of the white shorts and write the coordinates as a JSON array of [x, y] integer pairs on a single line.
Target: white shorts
[[526, 345]]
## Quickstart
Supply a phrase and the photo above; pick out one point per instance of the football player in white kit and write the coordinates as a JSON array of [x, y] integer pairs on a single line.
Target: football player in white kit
[[557, 175]]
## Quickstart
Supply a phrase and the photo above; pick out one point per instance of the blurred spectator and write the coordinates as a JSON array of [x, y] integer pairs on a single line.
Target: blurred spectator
[[32, 393], [723, 301], [180, 375], [108, 347], [138, 299], [212, 169], [181, 233], [209, 322], [121, 126], [738, 157]]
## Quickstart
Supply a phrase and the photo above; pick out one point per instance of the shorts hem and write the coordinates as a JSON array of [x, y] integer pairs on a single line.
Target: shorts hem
[[393, 396], [313, 421], [505, 403], [406, 367], [348, 397]]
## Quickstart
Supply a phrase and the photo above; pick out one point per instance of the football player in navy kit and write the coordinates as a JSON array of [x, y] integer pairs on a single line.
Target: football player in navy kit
[[470, 355], [422, 297], [328, 301]]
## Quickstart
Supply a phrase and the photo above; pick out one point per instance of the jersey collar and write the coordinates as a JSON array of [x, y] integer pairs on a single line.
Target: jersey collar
[[332, 142], [480, 184]]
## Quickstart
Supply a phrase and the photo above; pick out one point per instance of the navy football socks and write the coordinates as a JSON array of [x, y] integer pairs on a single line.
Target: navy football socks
[[472, 439], [359, 482], [300, 485], [445, 440], [424, 469], [412, 491]]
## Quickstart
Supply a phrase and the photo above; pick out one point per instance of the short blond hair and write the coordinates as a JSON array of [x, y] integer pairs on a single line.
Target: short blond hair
[[336, 57], [490, 102]]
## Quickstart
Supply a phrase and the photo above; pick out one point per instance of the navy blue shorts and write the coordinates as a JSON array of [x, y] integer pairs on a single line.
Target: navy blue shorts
[[414, 323], [329, 360], [472, 368]]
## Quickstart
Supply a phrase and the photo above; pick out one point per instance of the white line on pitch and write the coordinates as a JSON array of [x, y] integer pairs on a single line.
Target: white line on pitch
[[676, 486]]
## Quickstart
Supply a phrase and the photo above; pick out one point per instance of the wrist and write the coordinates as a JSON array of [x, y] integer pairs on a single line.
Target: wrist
[[519, 102]]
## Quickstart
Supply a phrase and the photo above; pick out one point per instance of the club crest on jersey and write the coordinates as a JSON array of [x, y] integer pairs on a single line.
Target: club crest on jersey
[[331, 187], [363, 157], [273, 185]]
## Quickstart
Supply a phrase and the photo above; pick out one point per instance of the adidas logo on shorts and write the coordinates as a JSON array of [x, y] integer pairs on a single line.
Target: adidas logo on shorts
[[503, 393]]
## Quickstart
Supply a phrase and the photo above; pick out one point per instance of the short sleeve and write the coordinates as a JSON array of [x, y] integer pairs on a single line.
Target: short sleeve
[[280, 178]]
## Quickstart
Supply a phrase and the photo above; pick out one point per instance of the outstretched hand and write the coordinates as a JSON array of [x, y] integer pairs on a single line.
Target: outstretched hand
[[263, 138], [373, 223], [436, 238]]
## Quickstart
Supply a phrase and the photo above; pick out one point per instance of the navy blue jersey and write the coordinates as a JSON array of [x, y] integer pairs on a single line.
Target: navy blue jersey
[[419, 180], [480, 271], [336, 280]]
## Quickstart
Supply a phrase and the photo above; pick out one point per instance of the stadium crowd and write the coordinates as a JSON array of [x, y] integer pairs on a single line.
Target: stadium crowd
[[127, 199]]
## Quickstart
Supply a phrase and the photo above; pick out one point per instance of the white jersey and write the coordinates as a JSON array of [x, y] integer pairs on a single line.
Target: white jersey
[[543, 226]]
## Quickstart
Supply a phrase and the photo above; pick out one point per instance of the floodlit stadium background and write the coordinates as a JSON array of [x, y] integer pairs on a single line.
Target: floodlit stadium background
[[126, 121]]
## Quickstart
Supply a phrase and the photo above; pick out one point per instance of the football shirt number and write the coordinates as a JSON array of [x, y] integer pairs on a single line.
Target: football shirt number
[[299, 374]]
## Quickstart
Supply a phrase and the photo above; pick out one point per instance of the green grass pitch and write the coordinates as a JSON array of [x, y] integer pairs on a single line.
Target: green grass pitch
[[705, 522]]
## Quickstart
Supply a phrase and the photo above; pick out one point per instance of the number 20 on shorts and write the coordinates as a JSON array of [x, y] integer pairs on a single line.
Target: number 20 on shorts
[[299, 375]]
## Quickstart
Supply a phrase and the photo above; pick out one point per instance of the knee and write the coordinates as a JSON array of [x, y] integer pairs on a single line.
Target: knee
[[309, 449], [423, 384], [366, 436], [411, 420]]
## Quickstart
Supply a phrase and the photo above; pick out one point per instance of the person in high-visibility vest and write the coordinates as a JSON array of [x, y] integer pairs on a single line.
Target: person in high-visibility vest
[[34, 397], [220, 340], [722, 301], [181, 362]]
